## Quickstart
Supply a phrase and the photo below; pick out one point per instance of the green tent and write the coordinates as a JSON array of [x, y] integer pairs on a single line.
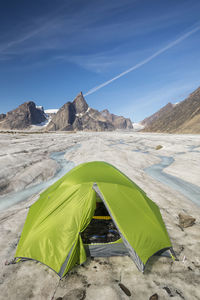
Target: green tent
[[52, 231]]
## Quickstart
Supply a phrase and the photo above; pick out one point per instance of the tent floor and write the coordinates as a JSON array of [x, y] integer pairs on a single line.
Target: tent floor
[[100, 231]]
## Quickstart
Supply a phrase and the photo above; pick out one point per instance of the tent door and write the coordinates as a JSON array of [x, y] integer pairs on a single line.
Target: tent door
[[131, 251]]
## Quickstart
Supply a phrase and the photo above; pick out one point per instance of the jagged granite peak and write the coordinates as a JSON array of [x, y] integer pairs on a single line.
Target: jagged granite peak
[[80, 104], [77, 115], [184, 117], [22, 117], [63, 119]]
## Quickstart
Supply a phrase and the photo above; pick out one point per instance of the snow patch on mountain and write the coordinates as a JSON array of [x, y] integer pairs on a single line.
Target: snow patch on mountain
[[137, 126], [51, 111]]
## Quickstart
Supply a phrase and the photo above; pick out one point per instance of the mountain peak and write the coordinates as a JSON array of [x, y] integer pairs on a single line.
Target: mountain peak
[[77, 115], [80, 104], [22, 117]]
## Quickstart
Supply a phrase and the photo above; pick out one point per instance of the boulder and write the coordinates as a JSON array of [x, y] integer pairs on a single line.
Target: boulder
[[125, 289], [77, 294], [186, 220], [154, 297]]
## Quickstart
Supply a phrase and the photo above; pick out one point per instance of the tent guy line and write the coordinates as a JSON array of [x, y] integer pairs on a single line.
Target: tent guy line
[[145, 61]]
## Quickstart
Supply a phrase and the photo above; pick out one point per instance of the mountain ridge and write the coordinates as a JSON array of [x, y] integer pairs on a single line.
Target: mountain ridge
[[72, 116], [183, 117], [22, 117], [77, 115]]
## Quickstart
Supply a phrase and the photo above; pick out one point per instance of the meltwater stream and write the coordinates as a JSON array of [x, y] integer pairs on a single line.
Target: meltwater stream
[[15, 197], [191, 191]]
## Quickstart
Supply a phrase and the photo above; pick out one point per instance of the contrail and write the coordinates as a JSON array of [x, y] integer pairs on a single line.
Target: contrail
[[143, 62]]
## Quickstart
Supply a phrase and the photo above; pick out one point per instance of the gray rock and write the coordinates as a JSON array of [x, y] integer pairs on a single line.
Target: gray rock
[[154, 297], [125, 289], [173, 292], [186, 220], [77, 294]]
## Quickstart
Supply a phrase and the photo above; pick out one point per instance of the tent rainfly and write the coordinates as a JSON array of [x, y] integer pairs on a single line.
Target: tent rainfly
[[52, 230]]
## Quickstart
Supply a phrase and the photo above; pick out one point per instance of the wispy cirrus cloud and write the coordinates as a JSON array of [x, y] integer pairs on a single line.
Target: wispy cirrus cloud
[[77, 35], [145, 61], [173, 92], [102, 62]]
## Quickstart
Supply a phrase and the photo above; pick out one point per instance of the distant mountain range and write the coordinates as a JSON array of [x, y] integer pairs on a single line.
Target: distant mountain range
[[76, 115], [183, 117]]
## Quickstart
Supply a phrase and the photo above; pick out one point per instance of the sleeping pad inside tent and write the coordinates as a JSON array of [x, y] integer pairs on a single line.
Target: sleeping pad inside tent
[[93, 210]]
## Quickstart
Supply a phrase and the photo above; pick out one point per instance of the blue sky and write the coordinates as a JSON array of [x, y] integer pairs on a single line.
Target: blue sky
[[50, 50]]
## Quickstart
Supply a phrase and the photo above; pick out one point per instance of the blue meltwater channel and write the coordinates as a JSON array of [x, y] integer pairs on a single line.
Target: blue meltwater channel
[[191, 191], [64, 167]]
